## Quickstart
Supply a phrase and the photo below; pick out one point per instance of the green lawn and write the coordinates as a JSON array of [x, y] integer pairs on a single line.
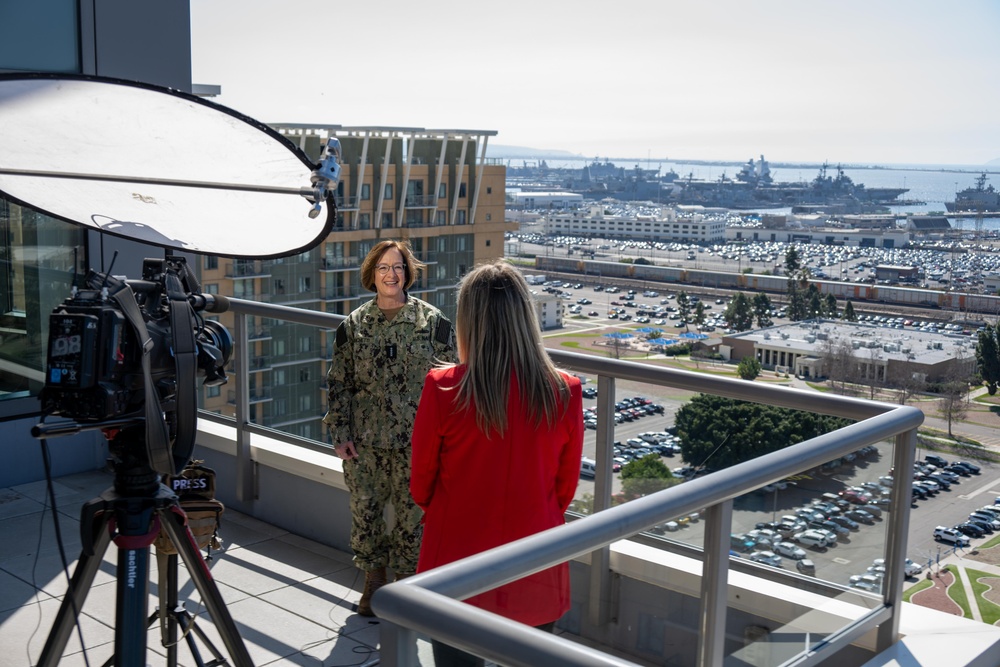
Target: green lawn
[[916, 588], [957, 593], [988, 610]]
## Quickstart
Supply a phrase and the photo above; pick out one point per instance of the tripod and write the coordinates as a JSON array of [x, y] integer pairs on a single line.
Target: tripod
[[132, 513]]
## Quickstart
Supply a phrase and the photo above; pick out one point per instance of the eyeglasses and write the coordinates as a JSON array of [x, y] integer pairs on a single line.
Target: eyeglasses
[[383, 269]]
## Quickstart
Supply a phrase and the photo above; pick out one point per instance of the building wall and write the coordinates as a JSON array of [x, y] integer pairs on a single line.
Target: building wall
[[434, 191], [147, 42]]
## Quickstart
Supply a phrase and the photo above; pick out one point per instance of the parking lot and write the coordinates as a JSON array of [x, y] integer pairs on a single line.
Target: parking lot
[[854, 552]]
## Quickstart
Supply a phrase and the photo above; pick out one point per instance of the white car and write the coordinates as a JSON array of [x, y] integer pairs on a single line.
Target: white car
[[912, 569], [866, 582], [951, 535], [811, 538], [766, 557], [789, 550]]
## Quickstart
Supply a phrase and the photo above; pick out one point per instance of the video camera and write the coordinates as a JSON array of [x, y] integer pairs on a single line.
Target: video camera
[[123, 351]]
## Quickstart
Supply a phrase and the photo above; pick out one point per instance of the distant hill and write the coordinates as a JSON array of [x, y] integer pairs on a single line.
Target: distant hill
[[496, 151], [993, 163]]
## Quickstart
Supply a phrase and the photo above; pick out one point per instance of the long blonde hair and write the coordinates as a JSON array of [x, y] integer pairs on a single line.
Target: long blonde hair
[[498, 334]]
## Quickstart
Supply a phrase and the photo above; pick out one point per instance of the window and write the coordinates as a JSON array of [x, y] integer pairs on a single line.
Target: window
[[278, 377], [442, 218], [489, 189], [305, 344], [364, 220], [305, 403], [211, 263], [489, 216], [279, 286], [443, 190], [305, 284], [211, 288], [278, 349], [304, 375], [460, 217], [386, 220], [461, 190], [388, 192], [213, 392], [366, 191]]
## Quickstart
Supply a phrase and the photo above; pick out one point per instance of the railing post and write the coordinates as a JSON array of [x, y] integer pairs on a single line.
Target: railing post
[[715, 584], [245, 482], [600, 560], [903, 455], [397, 646]]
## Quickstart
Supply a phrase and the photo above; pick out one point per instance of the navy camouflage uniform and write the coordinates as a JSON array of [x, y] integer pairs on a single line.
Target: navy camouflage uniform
[[375, 380]]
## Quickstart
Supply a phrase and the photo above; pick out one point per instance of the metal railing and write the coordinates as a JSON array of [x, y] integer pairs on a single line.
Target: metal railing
[[430, 602]]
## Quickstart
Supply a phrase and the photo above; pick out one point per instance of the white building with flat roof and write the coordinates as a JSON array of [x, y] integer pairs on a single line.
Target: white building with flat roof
[[670, 225], [881, 353]]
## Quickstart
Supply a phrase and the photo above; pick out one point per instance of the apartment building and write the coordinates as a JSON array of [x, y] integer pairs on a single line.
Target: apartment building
[[432, 188]]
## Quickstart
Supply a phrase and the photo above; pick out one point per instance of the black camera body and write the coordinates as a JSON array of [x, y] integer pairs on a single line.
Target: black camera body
[[113, 339]]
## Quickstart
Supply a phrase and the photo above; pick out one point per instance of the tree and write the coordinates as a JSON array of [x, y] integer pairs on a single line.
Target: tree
[[952, 405], [722, 432], [988, 357], [797, 305], [699, 313], [839, 365], [739, 313], [849, 314], [831, 306], [762, 310], [905, 382], [748, 368], [684, 308], [644, 476], [793, 262], [815, 307], [953, 389]]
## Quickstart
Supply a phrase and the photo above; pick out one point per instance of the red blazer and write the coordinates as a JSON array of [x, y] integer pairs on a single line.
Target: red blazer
[[479, 493]]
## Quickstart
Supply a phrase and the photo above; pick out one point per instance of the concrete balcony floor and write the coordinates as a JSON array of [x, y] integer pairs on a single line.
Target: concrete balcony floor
[[291, 599]]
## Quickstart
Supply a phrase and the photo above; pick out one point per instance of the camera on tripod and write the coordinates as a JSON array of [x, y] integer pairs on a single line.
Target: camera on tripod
[[126, 350]]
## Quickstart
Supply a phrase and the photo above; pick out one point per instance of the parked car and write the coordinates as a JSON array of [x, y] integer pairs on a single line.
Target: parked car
[[812, 538], [845, 521], [806, 566], [866, 582], [971, 467], [861, 516], [936, 461], [962, 471], [789, 550], [986, 518], [912, 569], [970, 529], [766, 557], [987, 528], [951, 536], [874, 510]]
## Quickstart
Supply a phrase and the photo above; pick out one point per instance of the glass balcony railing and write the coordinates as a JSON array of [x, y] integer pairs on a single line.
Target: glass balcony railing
[[724, 605]]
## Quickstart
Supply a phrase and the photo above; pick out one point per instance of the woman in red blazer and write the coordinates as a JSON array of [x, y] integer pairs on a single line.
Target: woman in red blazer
[[497, 443]]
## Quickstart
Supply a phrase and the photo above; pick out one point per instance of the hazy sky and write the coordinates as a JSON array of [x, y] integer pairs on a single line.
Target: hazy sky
[[852, 81]]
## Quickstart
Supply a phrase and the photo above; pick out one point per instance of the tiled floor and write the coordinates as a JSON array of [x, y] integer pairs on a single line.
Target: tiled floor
[[292, 600]]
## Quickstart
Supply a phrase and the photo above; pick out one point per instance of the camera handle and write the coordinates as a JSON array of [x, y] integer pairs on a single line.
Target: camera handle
[[166, 457]]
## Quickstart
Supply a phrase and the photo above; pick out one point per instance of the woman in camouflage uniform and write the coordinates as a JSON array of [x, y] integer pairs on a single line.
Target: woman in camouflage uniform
[[382, 353]]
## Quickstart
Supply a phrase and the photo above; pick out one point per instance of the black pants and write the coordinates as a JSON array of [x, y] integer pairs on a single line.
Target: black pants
[[449, 656]]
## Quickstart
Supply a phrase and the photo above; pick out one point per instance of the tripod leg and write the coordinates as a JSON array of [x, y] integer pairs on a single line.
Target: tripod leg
[[76, 594], [184, 542]]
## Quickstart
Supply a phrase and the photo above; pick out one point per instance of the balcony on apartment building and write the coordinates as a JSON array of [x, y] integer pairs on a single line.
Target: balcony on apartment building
[[251, 268], [641, 596]]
